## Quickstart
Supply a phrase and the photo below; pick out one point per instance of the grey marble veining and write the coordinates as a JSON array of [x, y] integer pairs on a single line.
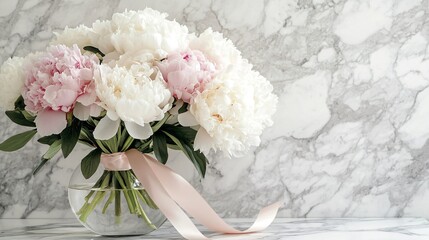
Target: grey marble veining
[[286, 229], [350, 136]]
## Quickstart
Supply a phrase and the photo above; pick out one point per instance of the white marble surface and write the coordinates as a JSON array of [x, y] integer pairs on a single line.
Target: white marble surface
[[350, 136], [285, 229]]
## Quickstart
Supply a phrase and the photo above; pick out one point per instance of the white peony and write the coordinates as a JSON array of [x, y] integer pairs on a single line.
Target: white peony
[[148, 30], [137, 96], [232, 112], [131, 31], [81, 36], [216, 48], [12, 79], [132, 58], [100, 36]]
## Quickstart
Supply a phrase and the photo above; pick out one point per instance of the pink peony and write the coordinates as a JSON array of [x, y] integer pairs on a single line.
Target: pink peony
[[56, 80], [186, 73]]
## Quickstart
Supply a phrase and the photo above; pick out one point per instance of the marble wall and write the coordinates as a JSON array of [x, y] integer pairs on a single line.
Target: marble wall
[[350, 136]]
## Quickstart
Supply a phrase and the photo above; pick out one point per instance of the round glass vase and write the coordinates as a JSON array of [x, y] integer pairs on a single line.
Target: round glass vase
[[113, 203]]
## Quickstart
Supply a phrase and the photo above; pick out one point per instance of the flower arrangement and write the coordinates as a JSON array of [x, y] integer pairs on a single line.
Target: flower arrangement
[[137, 81]]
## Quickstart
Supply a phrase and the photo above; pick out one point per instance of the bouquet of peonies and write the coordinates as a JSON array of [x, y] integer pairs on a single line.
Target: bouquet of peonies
[[138, 81]]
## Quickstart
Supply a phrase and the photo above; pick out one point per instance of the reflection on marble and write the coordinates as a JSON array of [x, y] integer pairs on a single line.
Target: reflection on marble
[[350, 136], [288, 229]]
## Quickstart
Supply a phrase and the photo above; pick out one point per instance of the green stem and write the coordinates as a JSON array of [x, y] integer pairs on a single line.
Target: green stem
[[111, 196], [142, 212], [101, 146], [88, 197], [127, 197], [108, 202], [134, 193], [118, 210], [117, 182], [117, 200], [127, 143], [145, 145], [122, 136], [97, 198], [143, 194], [159, 124]]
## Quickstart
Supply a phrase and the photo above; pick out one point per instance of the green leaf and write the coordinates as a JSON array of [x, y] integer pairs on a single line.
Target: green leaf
[[69, 137], [48, 140], [93, 50], [41, 164], [185, 134], [195, 156], [17, 117], [90, 163], [183, 108], [173, 146], [201, 158], [53, 149], [177, 142], [86, 142], [19, 103], [18, 141], [87, 134], [147, 150], [160, 147], [200, 164], [28, 116]]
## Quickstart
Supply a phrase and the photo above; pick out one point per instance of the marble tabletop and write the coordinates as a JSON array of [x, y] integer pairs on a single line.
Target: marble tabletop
[[283, 228]]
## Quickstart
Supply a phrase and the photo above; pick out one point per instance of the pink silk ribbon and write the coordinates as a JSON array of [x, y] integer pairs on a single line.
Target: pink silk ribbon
[[174, 195], [115, 162]]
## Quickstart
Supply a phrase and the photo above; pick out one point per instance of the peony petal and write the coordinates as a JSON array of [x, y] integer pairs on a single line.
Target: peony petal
[[85, 74], [186, 119], [95, 110], [81, 112], [137, 131], [112, 115], [87, 99], [203, 141], [51, 93], [50, 122], [65, 97], [106, 128]]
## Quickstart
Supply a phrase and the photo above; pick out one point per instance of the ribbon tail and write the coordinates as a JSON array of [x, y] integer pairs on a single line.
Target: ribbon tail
[[181, 192], [177, 217], [196, 206]]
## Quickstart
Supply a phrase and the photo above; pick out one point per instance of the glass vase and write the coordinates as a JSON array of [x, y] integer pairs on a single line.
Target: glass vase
[[113, 203]]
